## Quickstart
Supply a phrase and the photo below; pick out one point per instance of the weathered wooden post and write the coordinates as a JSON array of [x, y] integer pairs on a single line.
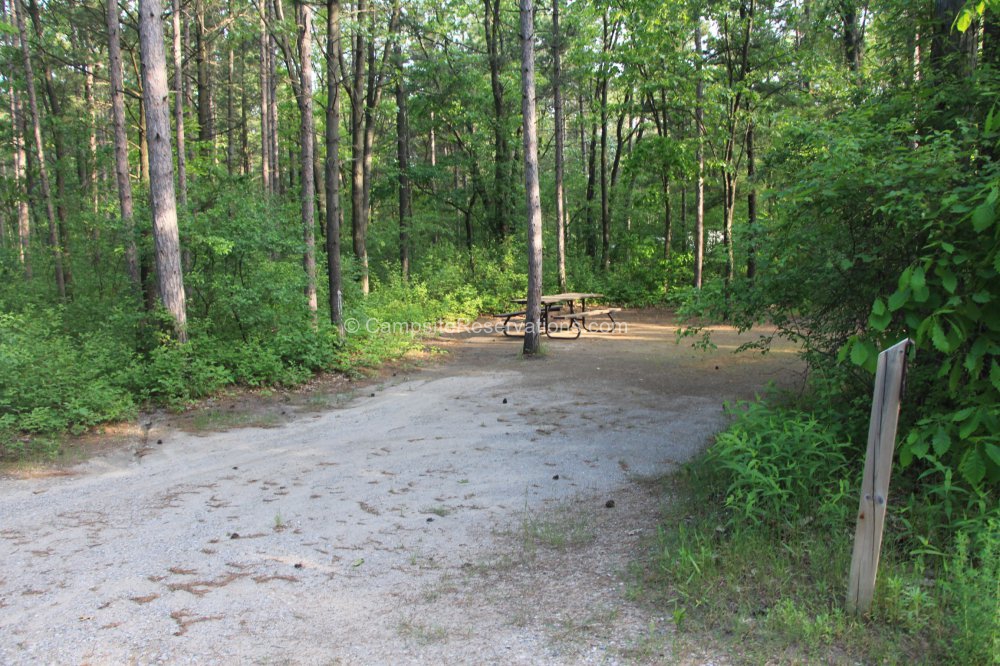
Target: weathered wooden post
[[875, 482]]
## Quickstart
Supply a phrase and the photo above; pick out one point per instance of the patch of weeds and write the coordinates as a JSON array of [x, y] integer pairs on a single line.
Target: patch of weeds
[[440, 511], [563, 528], [422, 634], [214, 420]]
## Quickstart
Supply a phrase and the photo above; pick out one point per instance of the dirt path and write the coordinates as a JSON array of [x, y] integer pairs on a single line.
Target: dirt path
[[458, 515]]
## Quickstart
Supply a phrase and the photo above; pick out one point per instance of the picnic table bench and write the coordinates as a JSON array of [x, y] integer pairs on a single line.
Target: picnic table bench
[[574, 320]]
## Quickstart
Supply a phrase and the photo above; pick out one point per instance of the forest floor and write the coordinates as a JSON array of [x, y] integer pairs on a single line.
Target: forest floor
[[484, 508]]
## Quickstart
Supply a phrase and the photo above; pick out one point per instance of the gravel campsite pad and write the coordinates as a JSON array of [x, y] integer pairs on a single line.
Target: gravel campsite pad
[[481, 510]]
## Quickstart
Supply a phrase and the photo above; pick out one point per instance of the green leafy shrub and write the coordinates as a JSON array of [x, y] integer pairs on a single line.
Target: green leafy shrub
[[52, 381], [782, 467]]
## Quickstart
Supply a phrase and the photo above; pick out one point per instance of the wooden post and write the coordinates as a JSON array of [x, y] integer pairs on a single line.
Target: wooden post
[[875, 483]]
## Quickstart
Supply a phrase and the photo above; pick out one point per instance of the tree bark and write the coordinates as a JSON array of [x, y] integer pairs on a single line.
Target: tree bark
[[333, 208], [43, 173], [308, 194], [359, 214], [699, 200], [59, 144], [501, 196], [23, 210], [265, 116], [560, 130], [605, 210], [532, 331], [206, 110], [403, 159], [751, 202], [179, 103], [155, 93], [121, 146]]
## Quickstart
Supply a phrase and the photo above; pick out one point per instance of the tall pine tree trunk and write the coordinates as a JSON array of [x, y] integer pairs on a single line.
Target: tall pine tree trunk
[[333, 208], [121, 146], [265, 116], [699, 193], [179, 104], [751, 202], [20, 181], [403, 159], [304, 23], [560, 130], [166, 238], [43, 173], [532, 331]]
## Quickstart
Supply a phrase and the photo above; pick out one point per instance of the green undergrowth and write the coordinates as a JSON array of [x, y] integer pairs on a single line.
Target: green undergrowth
[[754, 551]]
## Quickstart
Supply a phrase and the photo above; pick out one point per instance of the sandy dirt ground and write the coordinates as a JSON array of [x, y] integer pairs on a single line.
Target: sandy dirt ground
[[480, 510]]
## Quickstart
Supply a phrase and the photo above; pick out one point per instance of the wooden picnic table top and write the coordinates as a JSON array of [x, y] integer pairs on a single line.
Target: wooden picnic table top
[[559, 298]]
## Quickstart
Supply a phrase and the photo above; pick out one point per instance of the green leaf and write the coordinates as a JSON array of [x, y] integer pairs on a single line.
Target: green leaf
[[941, 442], [964, 20], [949, 281], [982, 217], [993, 452], [972, 466], [939, 339], [969, 426], [920, 447], [860, 352], [899, 299], [918, 279], [995, 375]]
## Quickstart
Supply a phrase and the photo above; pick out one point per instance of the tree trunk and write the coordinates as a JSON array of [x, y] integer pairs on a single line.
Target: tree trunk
[[121, 145], [206, 111], [668, 225], [265, 116], [179, 103], [230, 113], [751, 202], [277, 186], [161, 168], [55, 109], [304, 24], [403, 159], [333, 209], [560, 130], [605, 210], [502, 158], [43, 174], [359, 215], [532, 331], [23, 211], [699, 198]]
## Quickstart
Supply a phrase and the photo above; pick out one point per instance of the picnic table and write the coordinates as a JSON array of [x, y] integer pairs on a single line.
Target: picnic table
[[552, 317]]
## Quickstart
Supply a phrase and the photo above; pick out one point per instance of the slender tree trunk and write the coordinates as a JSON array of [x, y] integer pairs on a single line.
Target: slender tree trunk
[[560, 130], [121, 146], [43, 174], [179, 103], [23, 211], [684, 214], [501, 197], [304, 22], [277, 185], [206, 110], [265, 116], [532, 331], [359, 215], [161, 168], [605, 210], [230, 113], [729, 209], [751, 202], [333, 208], [403, 159], [668, 225], [591, 237], [699, 193], [58, 142]]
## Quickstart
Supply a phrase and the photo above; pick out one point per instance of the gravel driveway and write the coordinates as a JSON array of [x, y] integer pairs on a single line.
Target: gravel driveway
[[457, 515]]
